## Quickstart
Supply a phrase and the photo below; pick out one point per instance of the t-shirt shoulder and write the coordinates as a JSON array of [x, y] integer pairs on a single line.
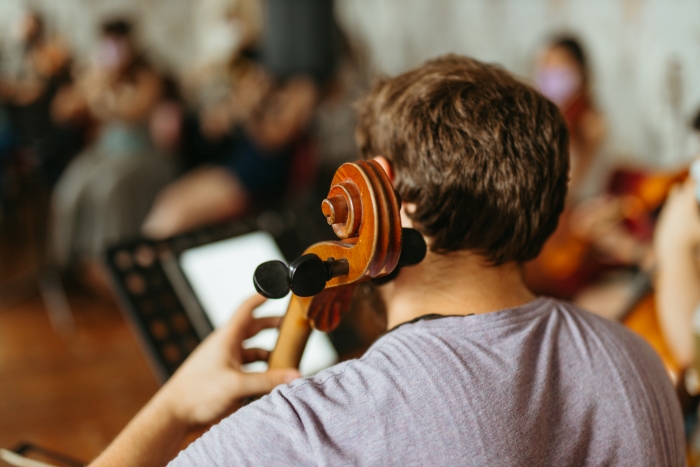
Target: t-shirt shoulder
[[441, 377]]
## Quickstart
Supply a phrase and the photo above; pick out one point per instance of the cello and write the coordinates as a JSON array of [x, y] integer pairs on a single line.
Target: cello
[[364, 211]]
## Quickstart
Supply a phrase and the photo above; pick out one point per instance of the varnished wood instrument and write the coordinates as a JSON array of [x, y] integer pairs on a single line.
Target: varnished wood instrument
[[568, 261], [364, 212]]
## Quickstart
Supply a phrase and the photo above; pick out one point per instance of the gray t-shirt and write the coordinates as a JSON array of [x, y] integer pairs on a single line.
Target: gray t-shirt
[[542, 384]]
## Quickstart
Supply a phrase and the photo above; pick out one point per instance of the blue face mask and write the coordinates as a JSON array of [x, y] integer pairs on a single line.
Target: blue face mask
[[558, 84]]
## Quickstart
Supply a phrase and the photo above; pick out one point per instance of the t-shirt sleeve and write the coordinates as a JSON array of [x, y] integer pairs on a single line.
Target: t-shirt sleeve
[[265, 432]]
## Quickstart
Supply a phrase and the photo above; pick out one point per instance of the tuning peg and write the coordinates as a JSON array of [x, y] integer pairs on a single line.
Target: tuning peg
[[413, 251], [270, 279], [413, 247], [306, 276]]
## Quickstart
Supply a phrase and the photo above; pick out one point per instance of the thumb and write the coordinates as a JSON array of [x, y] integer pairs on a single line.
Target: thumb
[[253, 384]]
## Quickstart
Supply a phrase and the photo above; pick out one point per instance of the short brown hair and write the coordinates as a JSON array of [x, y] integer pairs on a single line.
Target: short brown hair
[[484, 156]]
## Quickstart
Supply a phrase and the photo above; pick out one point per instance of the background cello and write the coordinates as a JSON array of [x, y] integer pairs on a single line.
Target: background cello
[[571, 260]]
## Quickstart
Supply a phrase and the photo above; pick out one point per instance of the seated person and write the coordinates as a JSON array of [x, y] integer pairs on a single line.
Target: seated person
[[564, 77], [474, 369], [677, 250], [105, 193], [594, 255], [268, 116], [42, 68], [254, 166]]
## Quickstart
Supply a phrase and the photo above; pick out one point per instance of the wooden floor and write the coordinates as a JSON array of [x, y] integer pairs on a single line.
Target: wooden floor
[[70, 393]]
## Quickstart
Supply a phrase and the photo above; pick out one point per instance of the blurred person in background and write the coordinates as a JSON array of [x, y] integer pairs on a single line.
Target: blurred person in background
[[268, 118], [104, 194], [601, 253], [264, 141], [563, 76], [228, 48], [30, 80], [229, 36], [40, 65]]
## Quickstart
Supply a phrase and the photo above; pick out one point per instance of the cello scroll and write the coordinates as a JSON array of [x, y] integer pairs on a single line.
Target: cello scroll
[[364, 212]]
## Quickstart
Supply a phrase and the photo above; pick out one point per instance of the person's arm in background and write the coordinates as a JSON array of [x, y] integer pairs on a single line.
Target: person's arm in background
[[287, 113], [206, 388], [676, 243], [69, 104], [47, 61]]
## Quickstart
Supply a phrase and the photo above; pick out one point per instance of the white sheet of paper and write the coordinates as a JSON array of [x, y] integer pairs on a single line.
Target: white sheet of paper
[[221, 275]]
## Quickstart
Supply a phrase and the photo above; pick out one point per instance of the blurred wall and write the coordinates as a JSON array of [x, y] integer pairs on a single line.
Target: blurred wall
[[645, 54]]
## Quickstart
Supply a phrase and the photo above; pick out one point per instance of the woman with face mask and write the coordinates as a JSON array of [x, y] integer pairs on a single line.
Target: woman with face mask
[[592, 257], [562, 75], [105, 193], [564, 268]]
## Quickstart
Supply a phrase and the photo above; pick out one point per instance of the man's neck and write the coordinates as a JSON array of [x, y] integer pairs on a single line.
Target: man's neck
[[458, 283]]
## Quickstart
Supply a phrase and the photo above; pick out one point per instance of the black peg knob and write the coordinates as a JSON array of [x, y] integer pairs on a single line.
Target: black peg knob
[[306, 276], [270, 279], [413, 248], [413, 251]]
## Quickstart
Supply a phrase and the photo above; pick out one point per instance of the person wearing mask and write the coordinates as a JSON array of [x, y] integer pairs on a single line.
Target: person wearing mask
[[105, 192], [588, 258], [268, 116], [563, 75]]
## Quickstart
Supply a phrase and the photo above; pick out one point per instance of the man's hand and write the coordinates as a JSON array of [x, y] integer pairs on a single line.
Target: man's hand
[[206, 388], [210, 384]]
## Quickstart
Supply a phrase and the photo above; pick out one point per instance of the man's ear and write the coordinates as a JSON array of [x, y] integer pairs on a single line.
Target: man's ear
[[386, 165]]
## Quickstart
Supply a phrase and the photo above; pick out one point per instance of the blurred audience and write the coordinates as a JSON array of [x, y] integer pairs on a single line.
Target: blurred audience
[[272, 121], [266, 121], [563, 75], [106, 191], [604, 236]]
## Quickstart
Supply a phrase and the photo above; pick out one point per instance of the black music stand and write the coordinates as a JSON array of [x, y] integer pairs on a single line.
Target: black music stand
[[157, 298]]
